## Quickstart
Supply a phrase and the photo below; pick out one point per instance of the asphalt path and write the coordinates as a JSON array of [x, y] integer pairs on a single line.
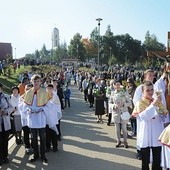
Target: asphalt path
[[85, 144]]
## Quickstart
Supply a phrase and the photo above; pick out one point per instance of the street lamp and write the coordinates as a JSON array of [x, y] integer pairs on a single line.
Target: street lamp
[[126, 56], [110, 52], [77, 50], [98, 19], [15, 54]]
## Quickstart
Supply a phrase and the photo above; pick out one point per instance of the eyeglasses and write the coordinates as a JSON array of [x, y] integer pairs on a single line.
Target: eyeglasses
[[128, 82]]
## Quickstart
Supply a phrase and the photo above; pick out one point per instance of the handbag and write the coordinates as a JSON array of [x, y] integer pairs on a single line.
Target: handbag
[[125, 115]]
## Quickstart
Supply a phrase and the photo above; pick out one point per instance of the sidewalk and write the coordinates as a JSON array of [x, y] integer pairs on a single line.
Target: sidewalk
[[85, 144]]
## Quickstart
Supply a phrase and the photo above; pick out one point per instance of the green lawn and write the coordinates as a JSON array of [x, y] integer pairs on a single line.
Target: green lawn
[[13, 79]]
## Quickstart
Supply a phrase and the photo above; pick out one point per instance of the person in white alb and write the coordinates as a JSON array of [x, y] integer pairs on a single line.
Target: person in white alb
[[32, 108], [149, 112], [54, 104], [149, 76], [164, 138]]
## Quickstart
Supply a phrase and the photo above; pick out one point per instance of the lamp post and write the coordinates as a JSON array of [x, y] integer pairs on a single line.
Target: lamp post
[[110, 52], [15, 54], [126, 56], [77, 51], [98, 19]]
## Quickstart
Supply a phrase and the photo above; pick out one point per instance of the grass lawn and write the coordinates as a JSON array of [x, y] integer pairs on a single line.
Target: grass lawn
[[13, 79]]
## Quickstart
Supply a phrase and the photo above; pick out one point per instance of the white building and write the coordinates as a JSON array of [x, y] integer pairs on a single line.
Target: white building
[[55, 38]]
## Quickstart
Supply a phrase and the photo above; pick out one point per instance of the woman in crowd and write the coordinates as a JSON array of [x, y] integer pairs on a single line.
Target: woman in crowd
[[120, 101], [109, 90], [14, 101], [99, 94], [5, 126], [90, 91], [131, 87]]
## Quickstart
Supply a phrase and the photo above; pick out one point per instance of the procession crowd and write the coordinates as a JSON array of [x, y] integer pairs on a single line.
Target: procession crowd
[[146, 106], [35, 106]]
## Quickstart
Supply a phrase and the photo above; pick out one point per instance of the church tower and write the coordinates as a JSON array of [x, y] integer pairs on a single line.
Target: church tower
[[55, 38]]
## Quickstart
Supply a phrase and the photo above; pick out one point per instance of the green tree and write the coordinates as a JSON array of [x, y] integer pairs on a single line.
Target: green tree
[[127, 49], [29, 56], [94, 43], [37, 54], [109, 32], [60, 53], [44, 53], [90, 49], [112, 60], [108, 44], [76, 48], [151, 43]]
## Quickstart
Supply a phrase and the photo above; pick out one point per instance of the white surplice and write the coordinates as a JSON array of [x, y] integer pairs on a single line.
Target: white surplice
[[150, 126]]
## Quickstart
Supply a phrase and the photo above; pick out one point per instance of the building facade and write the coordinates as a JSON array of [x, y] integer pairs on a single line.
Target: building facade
[[5, 50]]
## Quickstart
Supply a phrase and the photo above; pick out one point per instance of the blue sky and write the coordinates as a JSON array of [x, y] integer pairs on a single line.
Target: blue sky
[[28, 24]]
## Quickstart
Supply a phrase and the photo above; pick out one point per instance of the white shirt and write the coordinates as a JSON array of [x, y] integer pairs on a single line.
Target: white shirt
[[159, 85], [84, 84], [33, 120], [14, 103], [150, 126]]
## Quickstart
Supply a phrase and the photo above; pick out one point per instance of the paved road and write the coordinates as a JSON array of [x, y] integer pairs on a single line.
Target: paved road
[[85, 144]]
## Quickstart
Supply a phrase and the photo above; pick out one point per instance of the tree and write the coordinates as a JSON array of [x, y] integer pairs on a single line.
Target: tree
[[94, 42], [127, 49], [109, 33], [108, 45], [90, 49], [76, 48], [37, 54], [29, 56], [112, 60], [44, 53], [151, 44], [60, 53]]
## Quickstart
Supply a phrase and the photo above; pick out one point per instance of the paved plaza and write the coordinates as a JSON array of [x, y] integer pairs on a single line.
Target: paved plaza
[[85, 144]]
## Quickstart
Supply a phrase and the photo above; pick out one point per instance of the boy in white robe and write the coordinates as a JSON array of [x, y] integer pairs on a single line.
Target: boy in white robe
[[32, 108], [51, 135], [149, 75], [150, 125]]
